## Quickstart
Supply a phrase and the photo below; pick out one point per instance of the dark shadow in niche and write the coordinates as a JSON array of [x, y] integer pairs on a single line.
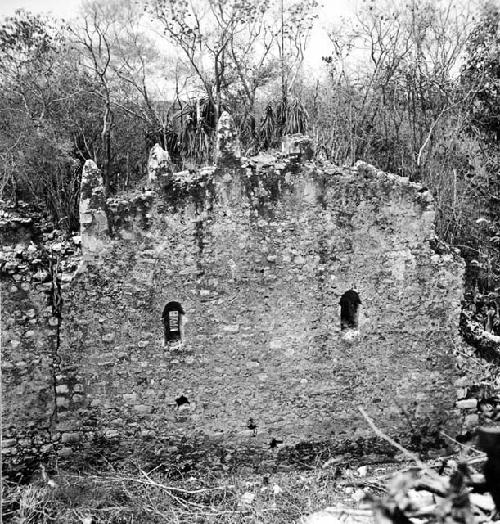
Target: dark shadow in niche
[[252, 425], [181, 401], [275, 443], [172, 322], [349, 309]]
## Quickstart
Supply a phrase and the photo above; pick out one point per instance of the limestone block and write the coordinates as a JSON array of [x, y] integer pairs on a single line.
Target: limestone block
[[130, 397], [277, 343], [142, 408], [471, 421], [62, 402], [469, 403], [228, 144], [297, 145], [159, 163], [231, 328], [70, 437]]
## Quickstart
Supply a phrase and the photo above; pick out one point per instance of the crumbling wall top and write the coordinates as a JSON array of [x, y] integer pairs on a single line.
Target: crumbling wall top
[[228, 143], [158, 163], [93, 219]]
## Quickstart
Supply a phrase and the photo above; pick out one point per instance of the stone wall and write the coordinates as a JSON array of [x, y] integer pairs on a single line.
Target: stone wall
[[258, 257], [258, 253], [36, 265], [28, 340]]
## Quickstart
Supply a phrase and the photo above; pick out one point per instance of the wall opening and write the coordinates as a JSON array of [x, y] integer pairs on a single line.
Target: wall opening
[[173, 320], [349, 310], [252, 425], [180, 401], [275, 443]]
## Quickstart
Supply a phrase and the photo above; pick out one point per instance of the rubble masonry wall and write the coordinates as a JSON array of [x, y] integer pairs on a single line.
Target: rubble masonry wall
[[258, 254], [259, 257]]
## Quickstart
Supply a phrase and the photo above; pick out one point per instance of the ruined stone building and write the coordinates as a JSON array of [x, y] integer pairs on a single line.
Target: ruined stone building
[[261, 299]]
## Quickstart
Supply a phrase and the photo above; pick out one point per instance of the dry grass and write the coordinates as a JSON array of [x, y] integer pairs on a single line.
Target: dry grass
[[142, 497]]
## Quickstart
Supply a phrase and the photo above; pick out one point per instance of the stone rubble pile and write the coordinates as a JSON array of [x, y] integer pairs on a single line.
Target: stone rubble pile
[[485, 342], [443, 490], [479, 404], [31, 245]]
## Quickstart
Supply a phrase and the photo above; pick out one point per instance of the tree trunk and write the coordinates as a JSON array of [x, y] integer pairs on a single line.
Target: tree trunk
[[284, 101], [106, 146], [217, 92]]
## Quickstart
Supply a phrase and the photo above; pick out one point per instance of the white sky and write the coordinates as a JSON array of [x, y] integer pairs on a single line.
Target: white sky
[[68, 8], [331, 10], [318, 46], [59, 8]]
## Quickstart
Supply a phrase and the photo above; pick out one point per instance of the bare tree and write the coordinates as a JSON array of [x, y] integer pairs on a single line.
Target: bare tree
[[94, 36], [409, 82], [202, 32], [234, 46]]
